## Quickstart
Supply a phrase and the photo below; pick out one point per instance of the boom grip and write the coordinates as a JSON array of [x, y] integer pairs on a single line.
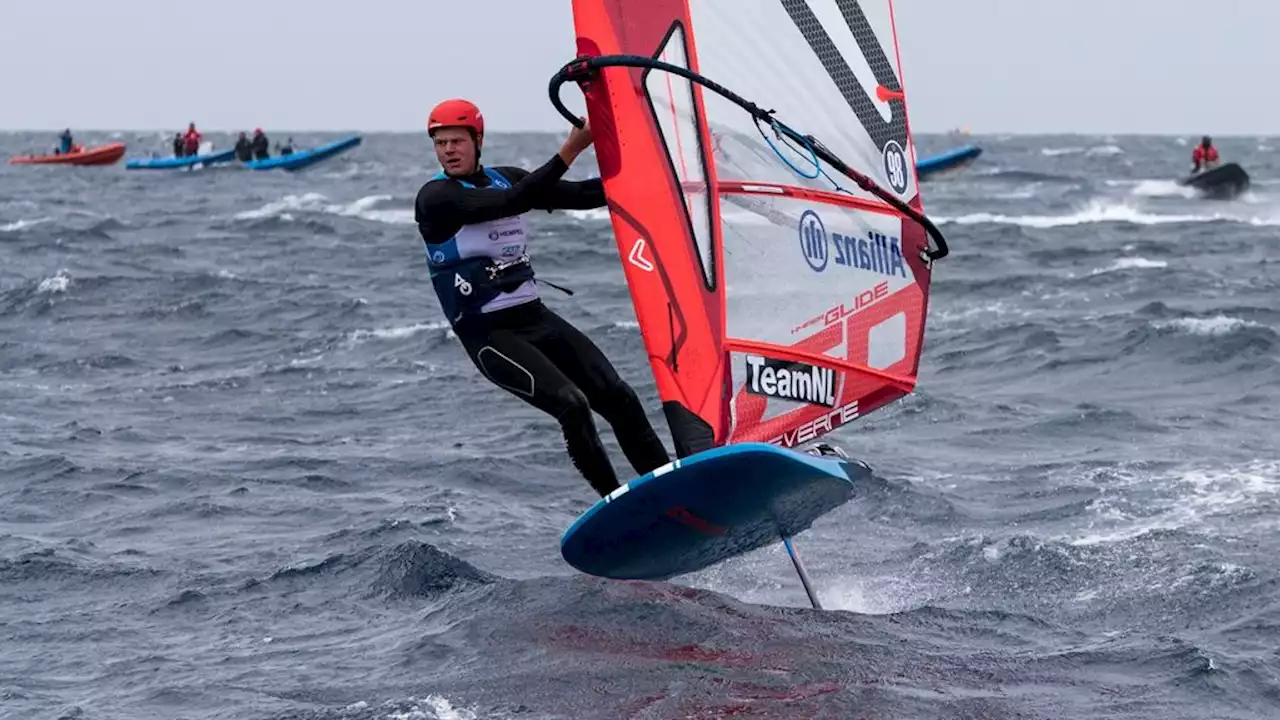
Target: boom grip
[[585, 68]]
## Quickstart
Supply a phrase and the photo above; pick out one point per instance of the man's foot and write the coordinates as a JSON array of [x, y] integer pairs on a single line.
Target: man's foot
[[825, 449]]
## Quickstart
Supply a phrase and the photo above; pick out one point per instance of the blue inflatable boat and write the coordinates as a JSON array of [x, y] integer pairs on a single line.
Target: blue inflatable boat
[[304, 158], [950, 160], [169, 163]]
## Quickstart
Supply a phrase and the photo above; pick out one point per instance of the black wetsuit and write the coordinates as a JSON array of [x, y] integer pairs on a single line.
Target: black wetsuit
[[244, 150], [529, 350], [261, 148]]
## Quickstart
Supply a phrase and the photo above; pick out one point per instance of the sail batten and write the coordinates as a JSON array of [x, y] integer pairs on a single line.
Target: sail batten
[[786, 353], [777, 299]]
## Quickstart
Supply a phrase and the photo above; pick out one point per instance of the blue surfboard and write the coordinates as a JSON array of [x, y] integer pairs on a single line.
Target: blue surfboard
[[705, 508]]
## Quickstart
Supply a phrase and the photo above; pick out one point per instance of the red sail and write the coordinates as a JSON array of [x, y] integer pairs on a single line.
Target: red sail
[[775, 304]]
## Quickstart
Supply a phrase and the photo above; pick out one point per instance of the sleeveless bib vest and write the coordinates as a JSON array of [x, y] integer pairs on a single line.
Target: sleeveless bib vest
[[483, 267]]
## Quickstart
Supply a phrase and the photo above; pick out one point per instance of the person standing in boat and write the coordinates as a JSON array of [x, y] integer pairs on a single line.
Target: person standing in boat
[[261, 147], [178, 145], [244, 148], [191, 141], [65, 142], [1205, 156]]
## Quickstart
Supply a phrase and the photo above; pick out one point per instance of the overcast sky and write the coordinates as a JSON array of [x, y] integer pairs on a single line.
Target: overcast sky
[[1147, 66]]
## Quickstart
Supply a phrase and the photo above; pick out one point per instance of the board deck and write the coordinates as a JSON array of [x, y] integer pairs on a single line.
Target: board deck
[[706, 508]]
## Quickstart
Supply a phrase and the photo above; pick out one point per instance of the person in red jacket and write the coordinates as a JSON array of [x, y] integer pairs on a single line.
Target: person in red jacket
[[1205, 155], [191, 140]]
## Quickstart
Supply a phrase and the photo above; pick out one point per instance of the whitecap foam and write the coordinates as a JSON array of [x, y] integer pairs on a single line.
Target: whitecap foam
[[282, 206], [1097, 211], [1105, 150], [945, 315], [56, 284], [21, 224], [1207, 327], [1055, 152], [432, 707], [364, 208], [1161, 188], [1131, 263], [396, 333], [1023, 194], [1192, 497], [595, 214], [874, 596], [1226, 491]]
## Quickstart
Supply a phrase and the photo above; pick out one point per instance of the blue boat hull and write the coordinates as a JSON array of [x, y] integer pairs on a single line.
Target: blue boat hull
[[950, 160], [304, 158], [170, 163]]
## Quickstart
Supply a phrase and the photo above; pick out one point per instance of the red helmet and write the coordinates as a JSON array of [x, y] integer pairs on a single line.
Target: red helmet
[[456, 113]]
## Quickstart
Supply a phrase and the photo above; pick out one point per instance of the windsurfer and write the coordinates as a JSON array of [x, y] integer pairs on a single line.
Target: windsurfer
[[471, 218]]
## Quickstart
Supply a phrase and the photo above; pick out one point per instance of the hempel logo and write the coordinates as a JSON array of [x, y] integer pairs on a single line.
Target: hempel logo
[[791, 381], [496, 234]]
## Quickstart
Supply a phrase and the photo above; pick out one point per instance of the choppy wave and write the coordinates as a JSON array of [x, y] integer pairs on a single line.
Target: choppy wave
[[365, 208], [1106, 211], [247, 461]]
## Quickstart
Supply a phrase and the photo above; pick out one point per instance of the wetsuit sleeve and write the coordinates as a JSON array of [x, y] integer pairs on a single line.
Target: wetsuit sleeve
[[567, 195], [564, 194], [448, 205]]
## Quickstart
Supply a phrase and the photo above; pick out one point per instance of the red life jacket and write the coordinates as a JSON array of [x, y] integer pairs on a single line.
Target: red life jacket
[[1202, 155]]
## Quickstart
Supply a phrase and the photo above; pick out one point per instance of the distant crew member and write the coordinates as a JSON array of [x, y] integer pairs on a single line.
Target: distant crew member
[[64, 142], [191, 141], [1205, 156], [178, 145], [244, 148], [471, 218], [287, 148], [261, 148]]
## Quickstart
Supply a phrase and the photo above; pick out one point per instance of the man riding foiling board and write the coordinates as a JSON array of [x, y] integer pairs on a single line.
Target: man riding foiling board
[[472, 221]]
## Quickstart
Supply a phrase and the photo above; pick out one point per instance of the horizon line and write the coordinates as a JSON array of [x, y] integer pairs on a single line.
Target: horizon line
[[529, 131]]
